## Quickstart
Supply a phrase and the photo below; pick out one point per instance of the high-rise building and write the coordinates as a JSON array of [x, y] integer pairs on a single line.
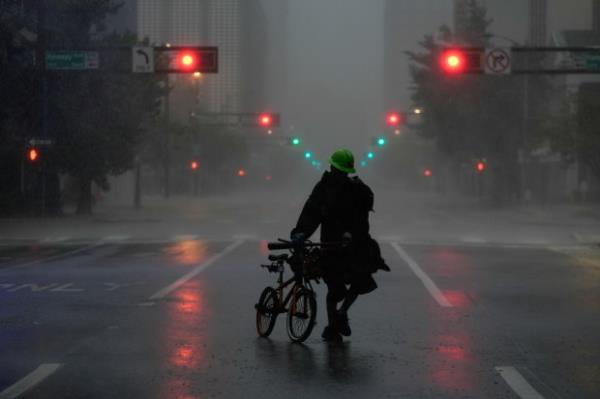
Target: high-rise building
[[596, 15], [236, 27], [458, 17], [538, 17]]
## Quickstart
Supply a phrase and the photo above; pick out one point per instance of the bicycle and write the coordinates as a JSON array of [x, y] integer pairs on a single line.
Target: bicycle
[[300, 303]]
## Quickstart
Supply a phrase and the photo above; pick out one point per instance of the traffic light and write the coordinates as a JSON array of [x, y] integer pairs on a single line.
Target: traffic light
[[194, 165], [268, 120], [241, 173], [381, 141], [33, 155], [363, 163], [453, 61], [393, 119], [308, 155], [456, 61], [370, 155], [188, 59], [427, 172], [480, 166], [295, 141]]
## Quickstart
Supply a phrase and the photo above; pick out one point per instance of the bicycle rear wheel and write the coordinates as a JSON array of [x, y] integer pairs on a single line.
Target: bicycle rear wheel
[[302, 315], [266, 312]]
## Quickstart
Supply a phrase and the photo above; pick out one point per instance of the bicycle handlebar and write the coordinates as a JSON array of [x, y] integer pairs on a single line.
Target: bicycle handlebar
[[283, 244]]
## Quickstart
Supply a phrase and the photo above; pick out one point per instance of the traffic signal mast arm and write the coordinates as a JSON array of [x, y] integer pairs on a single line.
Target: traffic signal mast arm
[[476, 60]]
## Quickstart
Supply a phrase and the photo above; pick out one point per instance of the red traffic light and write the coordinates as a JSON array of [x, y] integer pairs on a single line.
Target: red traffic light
[[265, 120], [188, 61], [427, 172], [480, 166], [393, 119], [33, 154], [453, 61], [194, 165], [241, 173]]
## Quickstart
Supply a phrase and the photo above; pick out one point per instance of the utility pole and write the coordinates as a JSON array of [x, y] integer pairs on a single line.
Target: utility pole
[[41, 63]]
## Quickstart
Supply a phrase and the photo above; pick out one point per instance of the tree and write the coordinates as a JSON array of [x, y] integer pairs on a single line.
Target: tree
[[470, 117], [97, 119]]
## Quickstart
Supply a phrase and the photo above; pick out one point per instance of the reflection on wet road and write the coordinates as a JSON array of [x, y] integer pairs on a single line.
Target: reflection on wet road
[[520, 320]]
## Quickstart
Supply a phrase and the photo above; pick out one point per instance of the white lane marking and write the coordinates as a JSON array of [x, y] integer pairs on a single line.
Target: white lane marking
[[518, 383], [185, 237], [55, 239], [29, 381], [427, 282], [116, 238], [473, 240], [54, 257], [195, 271]]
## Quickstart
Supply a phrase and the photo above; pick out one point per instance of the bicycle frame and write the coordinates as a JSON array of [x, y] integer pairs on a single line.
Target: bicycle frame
[[298, 281]]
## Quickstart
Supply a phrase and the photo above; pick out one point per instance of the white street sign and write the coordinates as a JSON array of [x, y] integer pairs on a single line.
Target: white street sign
[[143, 59], [497, 61]]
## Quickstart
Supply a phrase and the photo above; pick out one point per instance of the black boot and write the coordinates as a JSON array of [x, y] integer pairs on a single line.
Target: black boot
[[331, 335], [341, 324]]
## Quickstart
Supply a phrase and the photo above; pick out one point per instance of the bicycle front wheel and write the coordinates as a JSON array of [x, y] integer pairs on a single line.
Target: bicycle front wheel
[[266, 312], [302, 315]]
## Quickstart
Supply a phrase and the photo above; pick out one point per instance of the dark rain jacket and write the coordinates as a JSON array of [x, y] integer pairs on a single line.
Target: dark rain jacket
[[340, 204]]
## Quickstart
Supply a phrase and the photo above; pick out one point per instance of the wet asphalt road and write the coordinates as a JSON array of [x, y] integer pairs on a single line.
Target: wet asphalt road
[[115, 319]]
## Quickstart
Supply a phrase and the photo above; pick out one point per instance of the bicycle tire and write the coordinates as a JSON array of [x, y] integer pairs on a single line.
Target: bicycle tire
[[266, 311], [302, 315]]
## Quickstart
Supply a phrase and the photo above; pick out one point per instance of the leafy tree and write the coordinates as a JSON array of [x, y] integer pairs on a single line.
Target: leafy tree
[[471, 117]]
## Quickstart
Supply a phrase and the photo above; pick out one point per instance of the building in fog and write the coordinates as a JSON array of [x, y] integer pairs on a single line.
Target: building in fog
[[125, 20], [538, 20], [237, 27]]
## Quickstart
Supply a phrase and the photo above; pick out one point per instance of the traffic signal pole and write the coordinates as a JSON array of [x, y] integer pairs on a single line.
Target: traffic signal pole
[[41, 54]]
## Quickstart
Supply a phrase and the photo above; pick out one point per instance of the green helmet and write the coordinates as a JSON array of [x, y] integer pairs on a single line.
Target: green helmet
[[343, 160]]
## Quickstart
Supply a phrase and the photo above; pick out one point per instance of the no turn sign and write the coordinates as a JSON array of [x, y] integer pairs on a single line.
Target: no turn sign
[[497, 61]]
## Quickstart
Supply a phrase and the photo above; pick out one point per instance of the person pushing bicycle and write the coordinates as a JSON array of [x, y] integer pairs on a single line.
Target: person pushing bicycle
[[341, 205]]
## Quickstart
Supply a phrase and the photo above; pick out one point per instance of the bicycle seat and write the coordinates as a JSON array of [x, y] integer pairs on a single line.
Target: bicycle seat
[[276, 258]]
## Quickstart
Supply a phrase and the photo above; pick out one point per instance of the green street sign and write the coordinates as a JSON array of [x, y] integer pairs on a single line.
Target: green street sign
[[72, 60], [592, 61]]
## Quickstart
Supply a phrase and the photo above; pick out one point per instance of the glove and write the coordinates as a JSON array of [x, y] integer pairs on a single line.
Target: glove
[[298, 237]]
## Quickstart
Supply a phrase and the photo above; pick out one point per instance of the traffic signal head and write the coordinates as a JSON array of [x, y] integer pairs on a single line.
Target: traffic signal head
[[194, 165], [308, 155], [381, 141], [241, 173], [393, 119], [295, 141], [453, 61], [33, 154], [265, 120], [188, 61], [370, 155], [363, 163], [427, 172], [480, 166]]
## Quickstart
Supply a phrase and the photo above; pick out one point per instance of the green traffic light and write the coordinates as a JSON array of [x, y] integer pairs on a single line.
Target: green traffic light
[[363, 163], [370, 155], [308, 155], [295, 141], [381, 141]]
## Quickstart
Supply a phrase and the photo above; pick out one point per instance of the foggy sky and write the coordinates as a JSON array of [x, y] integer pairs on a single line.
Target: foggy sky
[[334, 87]]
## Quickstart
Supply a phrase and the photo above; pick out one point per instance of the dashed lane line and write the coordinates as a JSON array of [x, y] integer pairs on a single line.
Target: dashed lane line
[[427, 282], [195, 271], [518, 383], [54, 257], [29, 381]]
